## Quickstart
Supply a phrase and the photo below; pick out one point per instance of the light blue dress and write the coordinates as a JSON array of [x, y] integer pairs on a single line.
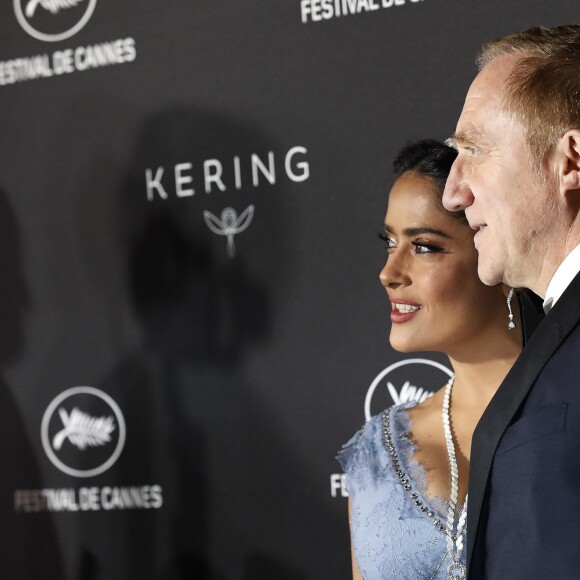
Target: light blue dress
[[398, 532]]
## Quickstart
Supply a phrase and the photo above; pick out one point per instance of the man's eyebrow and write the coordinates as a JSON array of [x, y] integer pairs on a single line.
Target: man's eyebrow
[[411, 232], [466, 137]]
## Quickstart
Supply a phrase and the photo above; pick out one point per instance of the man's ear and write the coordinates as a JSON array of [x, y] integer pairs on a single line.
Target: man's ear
[[568, 150]]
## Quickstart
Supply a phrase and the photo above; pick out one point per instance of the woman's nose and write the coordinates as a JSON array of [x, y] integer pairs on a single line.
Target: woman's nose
[[395, 272]]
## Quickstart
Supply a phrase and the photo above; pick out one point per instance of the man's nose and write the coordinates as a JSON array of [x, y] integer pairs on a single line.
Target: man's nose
[[457, 194]]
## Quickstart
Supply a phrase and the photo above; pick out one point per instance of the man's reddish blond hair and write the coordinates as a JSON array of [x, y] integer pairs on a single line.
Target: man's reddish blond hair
[[543, 90]]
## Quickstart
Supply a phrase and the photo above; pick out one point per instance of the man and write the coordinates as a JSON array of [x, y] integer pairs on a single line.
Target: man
[[517, 176]]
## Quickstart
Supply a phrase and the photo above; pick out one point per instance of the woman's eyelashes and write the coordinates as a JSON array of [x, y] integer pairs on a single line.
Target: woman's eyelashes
[[420, 246], [388, 240], [426, 248]]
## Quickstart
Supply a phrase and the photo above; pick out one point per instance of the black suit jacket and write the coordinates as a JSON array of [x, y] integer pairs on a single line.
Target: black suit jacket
[[524, 484]]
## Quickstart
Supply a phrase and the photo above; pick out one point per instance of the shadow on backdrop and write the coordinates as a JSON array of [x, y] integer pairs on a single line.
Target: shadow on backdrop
[[197, 378], [30, 546], [236, 500]]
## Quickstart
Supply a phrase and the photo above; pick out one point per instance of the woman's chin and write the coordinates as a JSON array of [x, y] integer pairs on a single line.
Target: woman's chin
[[402, 345]]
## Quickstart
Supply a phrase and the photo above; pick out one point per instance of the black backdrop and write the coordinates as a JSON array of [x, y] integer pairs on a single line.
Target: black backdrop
[[190, 193]]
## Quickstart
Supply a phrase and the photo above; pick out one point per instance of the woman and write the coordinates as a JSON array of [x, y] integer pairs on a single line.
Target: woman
[[407, 469]]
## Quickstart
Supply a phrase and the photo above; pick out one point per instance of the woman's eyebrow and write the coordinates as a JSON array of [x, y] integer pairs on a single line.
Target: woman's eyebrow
[[410, 232]]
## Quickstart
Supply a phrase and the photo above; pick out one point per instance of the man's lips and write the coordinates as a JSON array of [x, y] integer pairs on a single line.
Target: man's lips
[[476, 226], [479, 230]]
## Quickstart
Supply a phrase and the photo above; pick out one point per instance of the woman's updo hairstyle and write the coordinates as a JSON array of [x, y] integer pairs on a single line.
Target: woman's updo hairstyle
[[431, 159]]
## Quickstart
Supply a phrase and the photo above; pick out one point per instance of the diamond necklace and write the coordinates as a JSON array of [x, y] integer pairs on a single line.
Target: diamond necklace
[[456, 569]]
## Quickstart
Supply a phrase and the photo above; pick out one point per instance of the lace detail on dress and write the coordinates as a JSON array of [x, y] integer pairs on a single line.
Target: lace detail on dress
[[417, 472], [392, 538]]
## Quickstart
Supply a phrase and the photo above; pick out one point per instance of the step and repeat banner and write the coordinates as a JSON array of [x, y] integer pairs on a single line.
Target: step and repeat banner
[[191, 323]]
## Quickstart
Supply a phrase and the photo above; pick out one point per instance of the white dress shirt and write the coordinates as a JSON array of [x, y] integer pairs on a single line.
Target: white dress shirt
[[562, 277]]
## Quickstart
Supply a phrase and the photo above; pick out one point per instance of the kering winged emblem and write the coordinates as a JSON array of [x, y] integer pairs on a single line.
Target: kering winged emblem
[[229, 224]]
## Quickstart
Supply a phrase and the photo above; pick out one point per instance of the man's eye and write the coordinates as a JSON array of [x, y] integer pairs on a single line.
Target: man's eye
[[467, 150]]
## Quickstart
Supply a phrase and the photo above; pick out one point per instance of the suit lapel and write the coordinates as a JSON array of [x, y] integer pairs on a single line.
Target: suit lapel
[[547, 338]]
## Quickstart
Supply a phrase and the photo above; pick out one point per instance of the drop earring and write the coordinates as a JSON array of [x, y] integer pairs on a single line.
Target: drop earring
[[511, 323]]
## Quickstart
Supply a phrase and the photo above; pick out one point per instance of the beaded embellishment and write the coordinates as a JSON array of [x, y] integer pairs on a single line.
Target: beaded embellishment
[[403, 478]]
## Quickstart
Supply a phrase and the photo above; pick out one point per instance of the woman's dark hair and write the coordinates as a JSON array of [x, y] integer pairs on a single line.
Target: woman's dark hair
[[431, 159]]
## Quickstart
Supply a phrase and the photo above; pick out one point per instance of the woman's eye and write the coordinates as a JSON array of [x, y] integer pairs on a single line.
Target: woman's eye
[[423, 248], [388, 240]]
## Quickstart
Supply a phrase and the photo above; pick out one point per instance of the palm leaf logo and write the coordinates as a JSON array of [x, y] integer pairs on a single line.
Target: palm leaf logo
[[82, 430], [408, 393], [52, 6]]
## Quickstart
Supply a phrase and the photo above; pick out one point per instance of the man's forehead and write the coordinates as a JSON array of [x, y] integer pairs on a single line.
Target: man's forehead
[[483, 111], [489, 85], [499, 69]]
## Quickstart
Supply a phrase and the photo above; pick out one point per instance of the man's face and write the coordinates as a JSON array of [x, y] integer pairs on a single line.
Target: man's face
[[493, 179]]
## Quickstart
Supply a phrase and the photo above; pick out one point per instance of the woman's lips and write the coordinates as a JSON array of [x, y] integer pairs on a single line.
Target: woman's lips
[[403, 311]]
